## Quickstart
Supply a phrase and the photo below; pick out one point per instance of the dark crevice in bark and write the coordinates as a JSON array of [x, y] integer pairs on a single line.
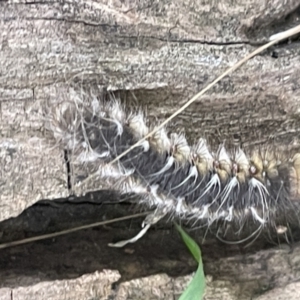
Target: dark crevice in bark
[[68, 168], [169, 40], [160, 251], [189, 41]]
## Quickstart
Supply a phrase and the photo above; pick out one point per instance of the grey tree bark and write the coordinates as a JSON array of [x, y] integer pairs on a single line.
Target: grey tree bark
[[155, 53]]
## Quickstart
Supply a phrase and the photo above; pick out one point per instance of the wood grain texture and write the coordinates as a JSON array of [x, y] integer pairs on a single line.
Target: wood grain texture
[[30, 168], [83, 287]]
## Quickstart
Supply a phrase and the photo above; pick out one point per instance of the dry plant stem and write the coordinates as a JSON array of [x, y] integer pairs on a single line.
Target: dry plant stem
[[275, 39], [63, 232]]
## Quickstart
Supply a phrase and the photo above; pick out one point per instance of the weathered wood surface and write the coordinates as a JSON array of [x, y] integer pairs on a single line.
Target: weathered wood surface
[[156, 52], [162, 51], [153, 287]]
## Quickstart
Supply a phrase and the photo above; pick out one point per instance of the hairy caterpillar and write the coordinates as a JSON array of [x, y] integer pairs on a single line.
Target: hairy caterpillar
[[193, 183]]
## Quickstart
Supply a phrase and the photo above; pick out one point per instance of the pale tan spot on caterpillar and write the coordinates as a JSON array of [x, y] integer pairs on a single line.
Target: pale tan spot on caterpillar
[[270, 164], [180, 149], [257, 163], [137, 125], [265, 164], [160, 141], [240, 166], [223, 164], [202, 157], [294, 177]]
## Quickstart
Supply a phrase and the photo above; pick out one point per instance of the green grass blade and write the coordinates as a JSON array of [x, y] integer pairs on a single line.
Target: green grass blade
[[190, 243], [196, 288]]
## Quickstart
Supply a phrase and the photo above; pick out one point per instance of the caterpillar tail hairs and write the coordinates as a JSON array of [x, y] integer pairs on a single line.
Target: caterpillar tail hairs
[[194, 184]]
